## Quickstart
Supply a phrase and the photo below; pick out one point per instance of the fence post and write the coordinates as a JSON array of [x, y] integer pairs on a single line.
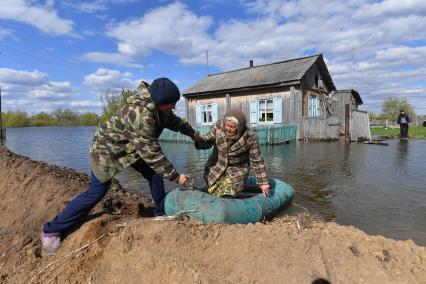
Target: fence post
[[347, 137]]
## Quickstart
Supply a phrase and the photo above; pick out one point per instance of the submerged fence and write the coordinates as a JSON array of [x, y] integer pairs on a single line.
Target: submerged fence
[[266, 135]]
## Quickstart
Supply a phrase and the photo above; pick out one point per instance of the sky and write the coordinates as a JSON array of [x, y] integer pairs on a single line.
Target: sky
[[66, 54]]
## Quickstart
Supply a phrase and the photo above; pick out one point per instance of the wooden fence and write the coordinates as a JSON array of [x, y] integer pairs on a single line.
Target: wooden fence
[[266, 135], [320, 128], [331, 128], [359, 126], [269, 135], [384, 123]]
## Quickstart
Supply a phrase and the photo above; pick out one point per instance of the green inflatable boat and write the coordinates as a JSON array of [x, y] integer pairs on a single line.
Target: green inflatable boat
[[250, 207]]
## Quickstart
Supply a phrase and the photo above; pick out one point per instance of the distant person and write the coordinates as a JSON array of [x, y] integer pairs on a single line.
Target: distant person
[[403, 121], [130, 138], [235, 148]]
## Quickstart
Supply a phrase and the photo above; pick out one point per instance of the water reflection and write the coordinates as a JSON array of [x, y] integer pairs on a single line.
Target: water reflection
[[309, 175], [401, 154], [346, 163]]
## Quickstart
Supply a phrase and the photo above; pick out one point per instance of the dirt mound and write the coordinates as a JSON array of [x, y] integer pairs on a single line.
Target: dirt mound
[[118, 244]]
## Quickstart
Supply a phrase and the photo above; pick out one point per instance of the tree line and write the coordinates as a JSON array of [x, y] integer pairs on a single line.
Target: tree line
[[391, 108], [59, 117], [111, 101]]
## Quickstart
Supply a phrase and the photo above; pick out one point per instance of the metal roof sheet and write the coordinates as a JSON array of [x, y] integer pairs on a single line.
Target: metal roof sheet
[[262, 75]]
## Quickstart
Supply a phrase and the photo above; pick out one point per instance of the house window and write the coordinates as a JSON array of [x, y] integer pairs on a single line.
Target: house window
[[318, 82], [266, 111], [206, 114], [313, 106]]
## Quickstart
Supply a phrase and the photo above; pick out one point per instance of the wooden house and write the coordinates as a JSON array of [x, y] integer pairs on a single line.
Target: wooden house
[[298, 92]]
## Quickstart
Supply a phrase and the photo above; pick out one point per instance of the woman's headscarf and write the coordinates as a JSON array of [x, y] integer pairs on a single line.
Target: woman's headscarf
[[239, 118]]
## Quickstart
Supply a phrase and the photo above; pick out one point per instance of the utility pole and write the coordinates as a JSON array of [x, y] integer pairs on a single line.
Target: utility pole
[[2, 131]]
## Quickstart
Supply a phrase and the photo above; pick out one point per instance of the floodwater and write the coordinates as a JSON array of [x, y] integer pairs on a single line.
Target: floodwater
[[379, 189]]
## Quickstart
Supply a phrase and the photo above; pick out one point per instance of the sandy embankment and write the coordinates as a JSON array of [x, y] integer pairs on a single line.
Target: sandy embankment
[[135, 249]]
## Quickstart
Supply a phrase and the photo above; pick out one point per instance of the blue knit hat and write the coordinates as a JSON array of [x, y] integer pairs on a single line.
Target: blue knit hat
[[163, 91]]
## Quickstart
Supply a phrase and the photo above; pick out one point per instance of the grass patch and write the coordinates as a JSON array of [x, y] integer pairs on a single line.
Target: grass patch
[[417, 132]]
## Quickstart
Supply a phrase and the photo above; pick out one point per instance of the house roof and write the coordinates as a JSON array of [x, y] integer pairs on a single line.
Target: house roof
[[269, 75], [354, 94]]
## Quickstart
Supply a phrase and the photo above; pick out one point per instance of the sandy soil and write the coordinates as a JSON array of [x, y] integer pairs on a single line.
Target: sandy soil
[[120, 244]]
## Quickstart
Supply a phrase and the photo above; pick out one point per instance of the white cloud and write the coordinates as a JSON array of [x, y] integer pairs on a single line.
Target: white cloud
[[390, 8], [114, 58], [172, 29], [33, 90], [4, 33], [23, 78], [107, 79], [44, 18], [94, 6], [403, 55], [52, 90]]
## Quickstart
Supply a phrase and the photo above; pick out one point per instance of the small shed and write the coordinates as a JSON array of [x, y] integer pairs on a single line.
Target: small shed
[[298, 92]]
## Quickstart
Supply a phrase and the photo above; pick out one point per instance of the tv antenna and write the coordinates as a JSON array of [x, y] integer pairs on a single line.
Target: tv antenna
[[207, 62]]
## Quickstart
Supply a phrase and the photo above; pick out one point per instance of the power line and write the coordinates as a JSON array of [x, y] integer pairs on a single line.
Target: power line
[[26, 9]]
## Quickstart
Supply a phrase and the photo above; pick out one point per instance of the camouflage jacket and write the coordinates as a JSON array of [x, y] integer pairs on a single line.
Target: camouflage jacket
[[233, 161], [132, 134]]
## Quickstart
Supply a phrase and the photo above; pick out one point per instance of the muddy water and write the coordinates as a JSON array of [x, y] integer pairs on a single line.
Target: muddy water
[[381, 190]]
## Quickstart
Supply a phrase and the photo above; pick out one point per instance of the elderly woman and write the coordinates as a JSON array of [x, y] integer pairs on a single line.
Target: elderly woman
[[234, 149]]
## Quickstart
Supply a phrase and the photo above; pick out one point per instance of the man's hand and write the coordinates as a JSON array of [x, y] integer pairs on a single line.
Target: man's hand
[[265, 189], [182, 179], [196, 137]]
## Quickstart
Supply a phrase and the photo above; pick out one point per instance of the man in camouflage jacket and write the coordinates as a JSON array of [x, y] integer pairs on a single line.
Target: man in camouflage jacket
[[130, 138], [132, 135]]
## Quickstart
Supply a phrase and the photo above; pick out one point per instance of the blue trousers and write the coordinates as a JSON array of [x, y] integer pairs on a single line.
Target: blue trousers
[[80, 206]]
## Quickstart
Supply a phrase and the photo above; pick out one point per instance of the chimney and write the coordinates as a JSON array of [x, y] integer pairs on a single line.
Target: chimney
[[251, 63]]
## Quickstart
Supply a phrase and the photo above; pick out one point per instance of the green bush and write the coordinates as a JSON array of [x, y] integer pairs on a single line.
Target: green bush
[[16, 119], [89, 119], [42, 119], [112, 102]]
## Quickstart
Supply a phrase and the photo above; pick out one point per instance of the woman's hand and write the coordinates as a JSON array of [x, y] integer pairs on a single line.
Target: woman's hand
[[182, 179], [265, 189], [196, 137]]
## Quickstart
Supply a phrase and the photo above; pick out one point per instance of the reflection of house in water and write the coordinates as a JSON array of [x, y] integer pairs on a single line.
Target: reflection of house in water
[[297, 93]]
